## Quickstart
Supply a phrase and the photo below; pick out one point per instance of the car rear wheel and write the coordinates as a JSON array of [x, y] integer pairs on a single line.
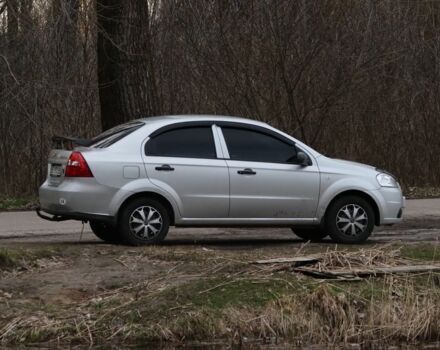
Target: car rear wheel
[[106, 232], [144, 221], [350, 219], [313, 234]]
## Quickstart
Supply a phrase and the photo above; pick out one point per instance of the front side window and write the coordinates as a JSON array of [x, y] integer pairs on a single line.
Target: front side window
[[191, 142], [249, 145]]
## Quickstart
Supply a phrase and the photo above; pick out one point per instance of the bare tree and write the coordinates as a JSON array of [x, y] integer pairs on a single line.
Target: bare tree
[[355, 79], [126, 73]]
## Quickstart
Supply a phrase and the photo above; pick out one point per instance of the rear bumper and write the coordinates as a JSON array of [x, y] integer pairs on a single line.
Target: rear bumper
[[61, 216], [79, 199]]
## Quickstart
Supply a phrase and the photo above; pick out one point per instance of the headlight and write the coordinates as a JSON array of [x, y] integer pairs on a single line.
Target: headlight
[[386, 180]]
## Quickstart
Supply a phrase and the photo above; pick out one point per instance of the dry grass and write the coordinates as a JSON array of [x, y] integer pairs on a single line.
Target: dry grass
[[322, 317], [382, 256], [248, 304], [345, 261], [422, 192]]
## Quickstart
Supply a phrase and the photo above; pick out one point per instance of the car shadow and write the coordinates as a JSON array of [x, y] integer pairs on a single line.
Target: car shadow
[[225, 242], [192, 240], [229, 242]]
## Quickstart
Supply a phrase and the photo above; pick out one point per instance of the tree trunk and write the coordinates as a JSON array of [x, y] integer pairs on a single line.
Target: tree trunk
[[64, 37], [127, 84], [12, 8]]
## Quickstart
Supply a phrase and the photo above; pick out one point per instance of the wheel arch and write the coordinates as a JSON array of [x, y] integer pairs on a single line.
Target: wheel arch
[[151, 195], [362, 195]]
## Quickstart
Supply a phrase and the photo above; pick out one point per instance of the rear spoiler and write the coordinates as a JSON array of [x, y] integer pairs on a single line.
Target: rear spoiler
[[62, 142]]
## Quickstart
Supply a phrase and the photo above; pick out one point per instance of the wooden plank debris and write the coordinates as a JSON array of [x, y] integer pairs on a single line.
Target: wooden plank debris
[[295, 261], [372, 271]]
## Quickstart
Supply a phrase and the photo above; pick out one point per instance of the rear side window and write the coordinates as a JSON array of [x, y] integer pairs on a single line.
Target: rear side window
[[192, 142], [111, 136], [249, 145]]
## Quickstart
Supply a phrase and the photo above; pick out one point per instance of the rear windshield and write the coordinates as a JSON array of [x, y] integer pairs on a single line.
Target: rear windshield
[[113, 135]]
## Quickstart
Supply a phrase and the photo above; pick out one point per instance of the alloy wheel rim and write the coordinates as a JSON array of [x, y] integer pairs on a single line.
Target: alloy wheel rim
[[352, 220], [145, 222]]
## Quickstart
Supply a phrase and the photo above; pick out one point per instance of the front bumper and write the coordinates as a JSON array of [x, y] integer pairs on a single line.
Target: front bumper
[[391, 204]]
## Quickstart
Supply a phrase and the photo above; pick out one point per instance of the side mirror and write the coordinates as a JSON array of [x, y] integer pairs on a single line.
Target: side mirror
[[302, 159]]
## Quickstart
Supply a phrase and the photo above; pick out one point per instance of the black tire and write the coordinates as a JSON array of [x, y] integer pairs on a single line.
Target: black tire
[[134, 216], [313, 234], [106, 232], [337, 220]]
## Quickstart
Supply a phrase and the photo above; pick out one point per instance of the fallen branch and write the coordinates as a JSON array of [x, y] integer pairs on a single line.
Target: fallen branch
[[297, 261], [376, 271]]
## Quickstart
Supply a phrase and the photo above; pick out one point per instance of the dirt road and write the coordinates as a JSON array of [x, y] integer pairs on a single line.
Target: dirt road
[[422, 222]]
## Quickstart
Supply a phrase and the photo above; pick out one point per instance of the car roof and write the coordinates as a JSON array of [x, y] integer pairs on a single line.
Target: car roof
[[154, 123], [169, 119]]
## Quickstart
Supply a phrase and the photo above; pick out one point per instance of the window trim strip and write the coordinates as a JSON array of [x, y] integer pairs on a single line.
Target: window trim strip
[[222, 140]]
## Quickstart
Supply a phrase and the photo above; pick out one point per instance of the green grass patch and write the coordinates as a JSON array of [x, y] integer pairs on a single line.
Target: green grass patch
[[17, 203], [7, 260], [195, 307], [425, 252], [12, 258], [218, 293]]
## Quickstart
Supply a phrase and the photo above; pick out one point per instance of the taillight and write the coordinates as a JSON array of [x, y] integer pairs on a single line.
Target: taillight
[[77, 166]]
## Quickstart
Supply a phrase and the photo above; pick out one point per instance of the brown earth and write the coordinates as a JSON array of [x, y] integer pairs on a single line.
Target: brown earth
[[82, 268], [64, 269]]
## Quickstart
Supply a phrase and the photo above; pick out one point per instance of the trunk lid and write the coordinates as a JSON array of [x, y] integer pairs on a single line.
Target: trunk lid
[[57, 165], [63, 147]]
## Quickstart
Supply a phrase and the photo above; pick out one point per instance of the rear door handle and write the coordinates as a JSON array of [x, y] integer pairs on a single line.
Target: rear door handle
[[164, 167], [247, 171]]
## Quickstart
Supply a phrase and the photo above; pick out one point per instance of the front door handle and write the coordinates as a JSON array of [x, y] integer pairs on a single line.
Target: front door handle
[[164, 167], [247, 171]]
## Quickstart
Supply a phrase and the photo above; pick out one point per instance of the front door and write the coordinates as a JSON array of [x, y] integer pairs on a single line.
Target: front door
[[265, 182]]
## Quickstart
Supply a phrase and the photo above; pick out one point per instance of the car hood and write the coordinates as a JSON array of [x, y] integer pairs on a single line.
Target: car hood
[[351, 163], [339, 166]]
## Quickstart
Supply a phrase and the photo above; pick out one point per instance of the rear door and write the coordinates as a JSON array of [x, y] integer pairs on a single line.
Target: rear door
[[183, 161], [265, 182]]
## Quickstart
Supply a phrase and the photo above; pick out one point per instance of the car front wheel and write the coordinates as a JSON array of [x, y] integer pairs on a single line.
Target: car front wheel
[[350, 219], [144, 221]]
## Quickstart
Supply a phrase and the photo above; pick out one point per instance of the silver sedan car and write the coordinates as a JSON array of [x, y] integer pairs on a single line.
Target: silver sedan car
[[132, 182]]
